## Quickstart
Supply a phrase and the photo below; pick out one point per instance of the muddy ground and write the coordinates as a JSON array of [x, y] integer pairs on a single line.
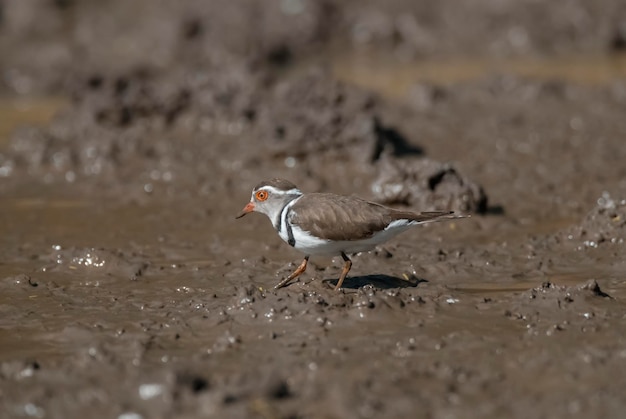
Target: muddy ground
[[133, 132]]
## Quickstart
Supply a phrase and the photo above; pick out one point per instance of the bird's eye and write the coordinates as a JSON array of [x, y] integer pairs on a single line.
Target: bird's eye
[[262, 195]]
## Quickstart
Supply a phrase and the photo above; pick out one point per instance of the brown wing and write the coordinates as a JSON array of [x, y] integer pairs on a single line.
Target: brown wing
[[336, 217]]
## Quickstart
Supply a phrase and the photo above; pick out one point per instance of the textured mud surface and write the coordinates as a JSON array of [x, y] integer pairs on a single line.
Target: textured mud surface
[[128, 289]]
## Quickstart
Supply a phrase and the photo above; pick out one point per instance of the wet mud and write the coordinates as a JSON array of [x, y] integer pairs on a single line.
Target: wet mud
[[132, 134]]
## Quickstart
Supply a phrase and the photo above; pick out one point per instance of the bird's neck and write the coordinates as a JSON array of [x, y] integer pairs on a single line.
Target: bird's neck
[[288, 202]]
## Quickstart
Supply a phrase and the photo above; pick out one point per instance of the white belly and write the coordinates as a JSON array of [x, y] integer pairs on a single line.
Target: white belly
[[310, 245]]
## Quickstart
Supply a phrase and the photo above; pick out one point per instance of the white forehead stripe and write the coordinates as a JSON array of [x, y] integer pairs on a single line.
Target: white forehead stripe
[[273, 190]]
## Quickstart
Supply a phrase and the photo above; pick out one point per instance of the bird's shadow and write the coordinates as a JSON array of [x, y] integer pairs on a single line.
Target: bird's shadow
[[380, 281]]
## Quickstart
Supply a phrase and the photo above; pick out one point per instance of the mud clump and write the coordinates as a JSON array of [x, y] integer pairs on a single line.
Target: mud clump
[[550, 292], [574, 306], [604, 225], [426, 184], [91, 261]]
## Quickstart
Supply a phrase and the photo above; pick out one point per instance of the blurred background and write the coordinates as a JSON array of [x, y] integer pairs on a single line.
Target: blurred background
[[49, 46]]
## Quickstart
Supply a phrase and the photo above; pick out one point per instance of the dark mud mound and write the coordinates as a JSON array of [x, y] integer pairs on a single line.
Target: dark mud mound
[[122, 122], [140, 129], [315, 115], [427, 184]]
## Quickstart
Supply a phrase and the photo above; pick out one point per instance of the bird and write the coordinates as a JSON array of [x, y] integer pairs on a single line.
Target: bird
[[328, 224]]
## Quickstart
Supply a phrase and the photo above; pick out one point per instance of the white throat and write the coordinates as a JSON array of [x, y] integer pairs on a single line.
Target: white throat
[[280, 220]]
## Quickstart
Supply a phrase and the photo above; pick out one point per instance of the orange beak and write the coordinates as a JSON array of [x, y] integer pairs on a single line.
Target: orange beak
[[248, 208]]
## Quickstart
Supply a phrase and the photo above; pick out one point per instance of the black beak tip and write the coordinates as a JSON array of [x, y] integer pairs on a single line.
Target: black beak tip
[[240, 215]]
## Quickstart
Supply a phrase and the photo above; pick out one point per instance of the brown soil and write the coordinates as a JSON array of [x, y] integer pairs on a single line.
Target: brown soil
[[128, 289]]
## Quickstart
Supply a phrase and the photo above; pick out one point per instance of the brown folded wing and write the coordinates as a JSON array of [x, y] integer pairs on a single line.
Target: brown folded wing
[[336, 217]]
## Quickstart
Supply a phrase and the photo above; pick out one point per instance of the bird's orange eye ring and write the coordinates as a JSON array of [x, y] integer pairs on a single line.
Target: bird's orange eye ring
[[261, 195]]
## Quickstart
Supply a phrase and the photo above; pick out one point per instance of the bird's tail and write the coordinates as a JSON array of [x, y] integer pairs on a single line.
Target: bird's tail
[[429, 216]]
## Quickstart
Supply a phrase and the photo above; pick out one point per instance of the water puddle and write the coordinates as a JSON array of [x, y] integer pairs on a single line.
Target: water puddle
[[17, 112]]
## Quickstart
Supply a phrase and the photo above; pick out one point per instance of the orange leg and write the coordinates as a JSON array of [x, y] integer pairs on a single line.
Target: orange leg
[[299, 270], [344, 272]]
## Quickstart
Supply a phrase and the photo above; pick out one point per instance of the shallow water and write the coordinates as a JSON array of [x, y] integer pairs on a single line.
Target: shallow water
[[395, 77], [17, 112]]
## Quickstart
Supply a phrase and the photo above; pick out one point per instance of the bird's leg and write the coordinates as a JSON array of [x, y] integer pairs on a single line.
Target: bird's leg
[[299, 270], [344, 272]]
